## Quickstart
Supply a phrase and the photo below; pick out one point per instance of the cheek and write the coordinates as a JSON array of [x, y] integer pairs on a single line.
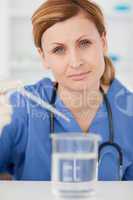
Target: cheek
[[100, 63], [93, 54], [98, 57], [100, 66], [58, 69], [57, 66], [95, 59]]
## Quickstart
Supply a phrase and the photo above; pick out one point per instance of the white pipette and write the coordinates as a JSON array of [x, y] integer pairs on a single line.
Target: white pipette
[[6, 87]]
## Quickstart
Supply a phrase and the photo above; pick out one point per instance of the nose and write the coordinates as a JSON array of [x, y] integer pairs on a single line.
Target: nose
[[75, 60]]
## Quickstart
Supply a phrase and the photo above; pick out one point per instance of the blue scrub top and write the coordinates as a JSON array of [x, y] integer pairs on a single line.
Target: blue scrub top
[[25, 144]]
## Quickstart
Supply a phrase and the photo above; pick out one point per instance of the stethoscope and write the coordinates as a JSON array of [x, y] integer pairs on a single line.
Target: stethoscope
[[110, 142]]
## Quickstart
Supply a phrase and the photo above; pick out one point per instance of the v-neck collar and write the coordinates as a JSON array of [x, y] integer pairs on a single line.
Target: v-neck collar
[[73, 125]]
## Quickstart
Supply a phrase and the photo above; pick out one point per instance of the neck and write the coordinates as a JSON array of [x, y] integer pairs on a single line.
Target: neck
[[77, 101]]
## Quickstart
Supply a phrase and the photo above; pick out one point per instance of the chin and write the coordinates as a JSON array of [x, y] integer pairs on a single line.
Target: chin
[[80, 86]]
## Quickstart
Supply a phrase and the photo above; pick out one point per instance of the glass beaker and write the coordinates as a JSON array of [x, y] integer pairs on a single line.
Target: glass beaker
[[74, 163]]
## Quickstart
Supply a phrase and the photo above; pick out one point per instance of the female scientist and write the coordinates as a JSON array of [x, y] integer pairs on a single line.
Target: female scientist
[[70, 36]]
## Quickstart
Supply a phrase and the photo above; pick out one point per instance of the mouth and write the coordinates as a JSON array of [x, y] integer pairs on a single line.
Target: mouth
[[79, 77]]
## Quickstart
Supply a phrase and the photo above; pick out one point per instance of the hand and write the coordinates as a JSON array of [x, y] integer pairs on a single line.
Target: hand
[[5, 107], [5, 111]]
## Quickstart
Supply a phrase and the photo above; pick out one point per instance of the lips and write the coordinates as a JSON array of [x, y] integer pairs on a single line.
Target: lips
[[80, 76]]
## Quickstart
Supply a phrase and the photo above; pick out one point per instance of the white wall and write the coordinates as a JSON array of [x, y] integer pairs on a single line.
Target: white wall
[[4, 71], [119, 17], [19, 58]]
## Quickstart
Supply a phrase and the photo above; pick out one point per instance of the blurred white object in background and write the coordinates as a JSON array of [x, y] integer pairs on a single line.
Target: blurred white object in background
[[4, 67]]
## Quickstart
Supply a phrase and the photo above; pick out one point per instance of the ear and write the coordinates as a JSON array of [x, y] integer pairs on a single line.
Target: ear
[[104, 43], [43, 59]]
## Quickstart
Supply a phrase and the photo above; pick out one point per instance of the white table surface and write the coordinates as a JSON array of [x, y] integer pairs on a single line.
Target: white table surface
[[28, 190]]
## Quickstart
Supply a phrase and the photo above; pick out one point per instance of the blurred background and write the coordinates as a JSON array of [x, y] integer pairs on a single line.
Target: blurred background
[[19, 58]]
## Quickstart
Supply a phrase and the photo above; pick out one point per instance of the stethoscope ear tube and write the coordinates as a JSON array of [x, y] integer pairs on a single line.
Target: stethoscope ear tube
[[53, 98]]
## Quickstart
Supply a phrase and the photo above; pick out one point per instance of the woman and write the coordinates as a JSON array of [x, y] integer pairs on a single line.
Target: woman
[[70, 36]]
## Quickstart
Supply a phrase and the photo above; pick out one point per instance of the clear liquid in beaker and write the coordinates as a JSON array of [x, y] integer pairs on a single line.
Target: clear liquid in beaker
[[74, 174]]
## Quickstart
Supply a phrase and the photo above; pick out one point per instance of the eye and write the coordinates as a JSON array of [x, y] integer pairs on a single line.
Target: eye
[[85, 43], [59, 50]]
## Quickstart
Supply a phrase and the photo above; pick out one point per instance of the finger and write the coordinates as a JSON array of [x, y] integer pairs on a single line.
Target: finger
[[6, 86]]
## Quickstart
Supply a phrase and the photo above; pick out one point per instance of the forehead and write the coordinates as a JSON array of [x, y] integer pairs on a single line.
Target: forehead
[[71, 28]]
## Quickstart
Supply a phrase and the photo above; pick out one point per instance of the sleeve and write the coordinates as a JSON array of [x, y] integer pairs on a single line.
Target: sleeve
[[13, 136]]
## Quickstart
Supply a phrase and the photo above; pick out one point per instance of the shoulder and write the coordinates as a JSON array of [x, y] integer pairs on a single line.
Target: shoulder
[[117, 88], [42, 88], [121, 98], [21, 104]]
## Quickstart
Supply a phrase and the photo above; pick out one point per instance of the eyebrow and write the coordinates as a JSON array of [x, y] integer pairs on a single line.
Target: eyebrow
[[59, 43]]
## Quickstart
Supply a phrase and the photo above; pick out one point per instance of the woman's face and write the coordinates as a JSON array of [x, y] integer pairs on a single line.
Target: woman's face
[[74, 51]]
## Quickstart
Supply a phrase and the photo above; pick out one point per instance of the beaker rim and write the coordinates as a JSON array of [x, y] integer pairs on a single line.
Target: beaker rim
[[78, 136]]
